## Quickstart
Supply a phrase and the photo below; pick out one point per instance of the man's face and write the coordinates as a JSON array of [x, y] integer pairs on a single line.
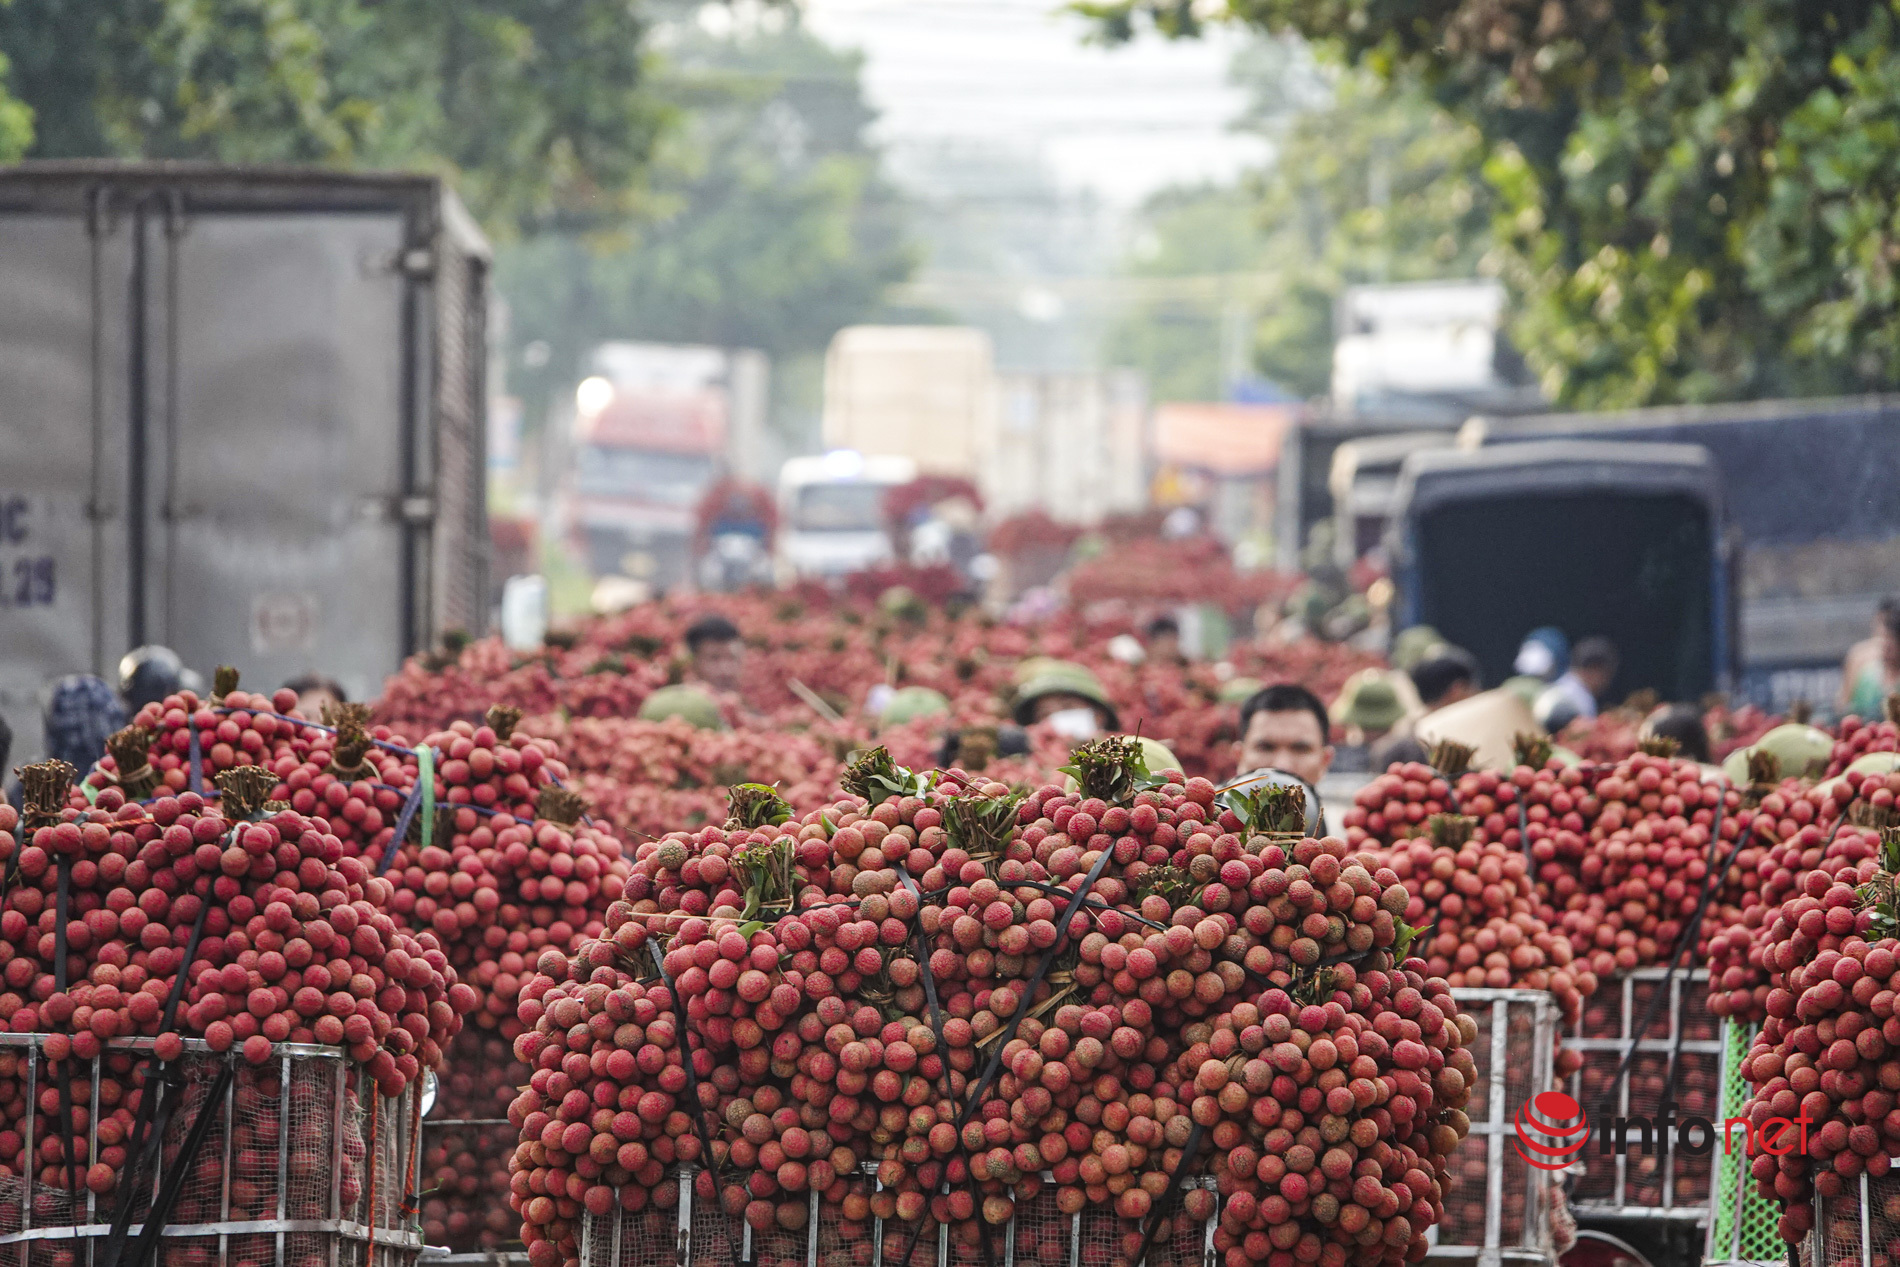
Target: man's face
[[719, 663], [1291, 741], [311, 703], [1596, 680]]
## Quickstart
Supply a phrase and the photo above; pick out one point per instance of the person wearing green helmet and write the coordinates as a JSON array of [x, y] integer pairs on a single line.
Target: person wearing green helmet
[[689, 703], [1415, 644], [911, 702], [1368, 708], [1067, 696], [1235, 690]]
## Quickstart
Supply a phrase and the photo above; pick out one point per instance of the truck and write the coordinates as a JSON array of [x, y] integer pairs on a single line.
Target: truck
[[245, 415], [1429, 352], [1365, 474], [926, 393], [656, 425], [831, 519], [1594, 537], [1813, 522], [1072, 444]]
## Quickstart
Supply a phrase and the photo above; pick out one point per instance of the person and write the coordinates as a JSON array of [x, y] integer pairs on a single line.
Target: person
[[148, 674], [908, 703], [1285, 727], [718, 652], [1445, 677], [1368, 707], [691, 703], [1871, 671], [974, 747], [1682, 723], [1069, 697], [1413, 644], [1164, 640], [314, 692], [80, 713], [1544, 653], [1575, 694]]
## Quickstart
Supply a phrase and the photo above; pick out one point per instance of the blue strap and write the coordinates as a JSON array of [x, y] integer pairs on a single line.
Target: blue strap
[[196, 775], [422, 797]]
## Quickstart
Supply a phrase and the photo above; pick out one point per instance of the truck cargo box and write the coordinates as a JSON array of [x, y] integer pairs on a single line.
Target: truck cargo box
[[243, 416]]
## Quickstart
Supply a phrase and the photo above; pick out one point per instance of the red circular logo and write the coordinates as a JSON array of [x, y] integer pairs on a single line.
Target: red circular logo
[[1558, 1117]]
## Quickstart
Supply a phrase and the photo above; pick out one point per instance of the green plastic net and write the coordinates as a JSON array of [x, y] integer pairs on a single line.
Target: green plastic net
[[1743, 1227]]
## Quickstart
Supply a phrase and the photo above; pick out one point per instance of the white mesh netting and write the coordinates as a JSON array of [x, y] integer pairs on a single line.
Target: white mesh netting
[[284, 1140]]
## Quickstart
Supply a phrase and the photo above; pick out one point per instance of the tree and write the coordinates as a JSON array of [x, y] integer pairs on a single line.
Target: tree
[[1370, 182], [767, 222], [1693, 199], [535, 109]]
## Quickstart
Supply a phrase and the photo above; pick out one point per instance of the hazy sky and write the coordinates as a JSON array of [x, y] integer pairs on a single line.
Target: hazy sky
[[1122, 122]]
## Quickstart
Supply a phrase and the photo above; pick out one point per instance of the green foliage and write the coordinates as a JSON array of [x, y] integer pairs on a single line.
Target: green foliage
[[1371, 182], [877, 777], [1693, 200], [979, 825], [1171, 884], [1273, 808], [755, 805], [766, 222], [1111, 769], [537, 111]]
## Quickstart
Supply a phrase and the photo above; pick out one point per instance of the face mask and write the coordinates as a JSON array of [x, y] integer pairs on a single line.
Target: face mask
[[1073, 723]]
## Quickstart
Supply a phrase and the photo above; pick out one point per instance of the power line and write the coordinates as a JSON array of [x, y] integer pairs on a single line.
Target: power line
[[1097, 290]]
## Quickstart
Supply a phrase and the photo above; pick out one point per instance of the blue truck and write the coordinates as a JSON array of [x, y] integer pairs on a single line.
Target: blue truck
[[1810, 536]]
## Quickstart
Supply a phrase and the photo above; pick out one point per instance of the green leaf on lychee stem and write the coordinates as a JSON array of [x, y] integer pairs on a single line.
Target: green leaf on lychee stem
[[1890, 850], [755, 805], [980, 825], [875, 775], [1451, 758], [1531, 749], [1406, 935], [1171, 884], [1267, 808], [1312, 985], [1449, 831], [770, 872], [1112, 769]]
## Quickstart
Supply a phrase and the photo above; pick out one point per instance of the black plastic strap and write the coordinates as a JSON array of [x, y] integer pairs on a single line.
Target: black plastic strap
[[1687, 940], [943, 1055], [1188, 1153], [148, 1128], [157, 1124], [930, 985], [161, 1212], [1029, 993], [61, 912], [1057, 891]]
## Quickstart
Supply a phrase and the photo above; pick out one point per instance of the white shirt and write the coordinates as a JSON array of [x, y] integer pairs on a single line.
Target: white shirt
[[1566, 694]]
